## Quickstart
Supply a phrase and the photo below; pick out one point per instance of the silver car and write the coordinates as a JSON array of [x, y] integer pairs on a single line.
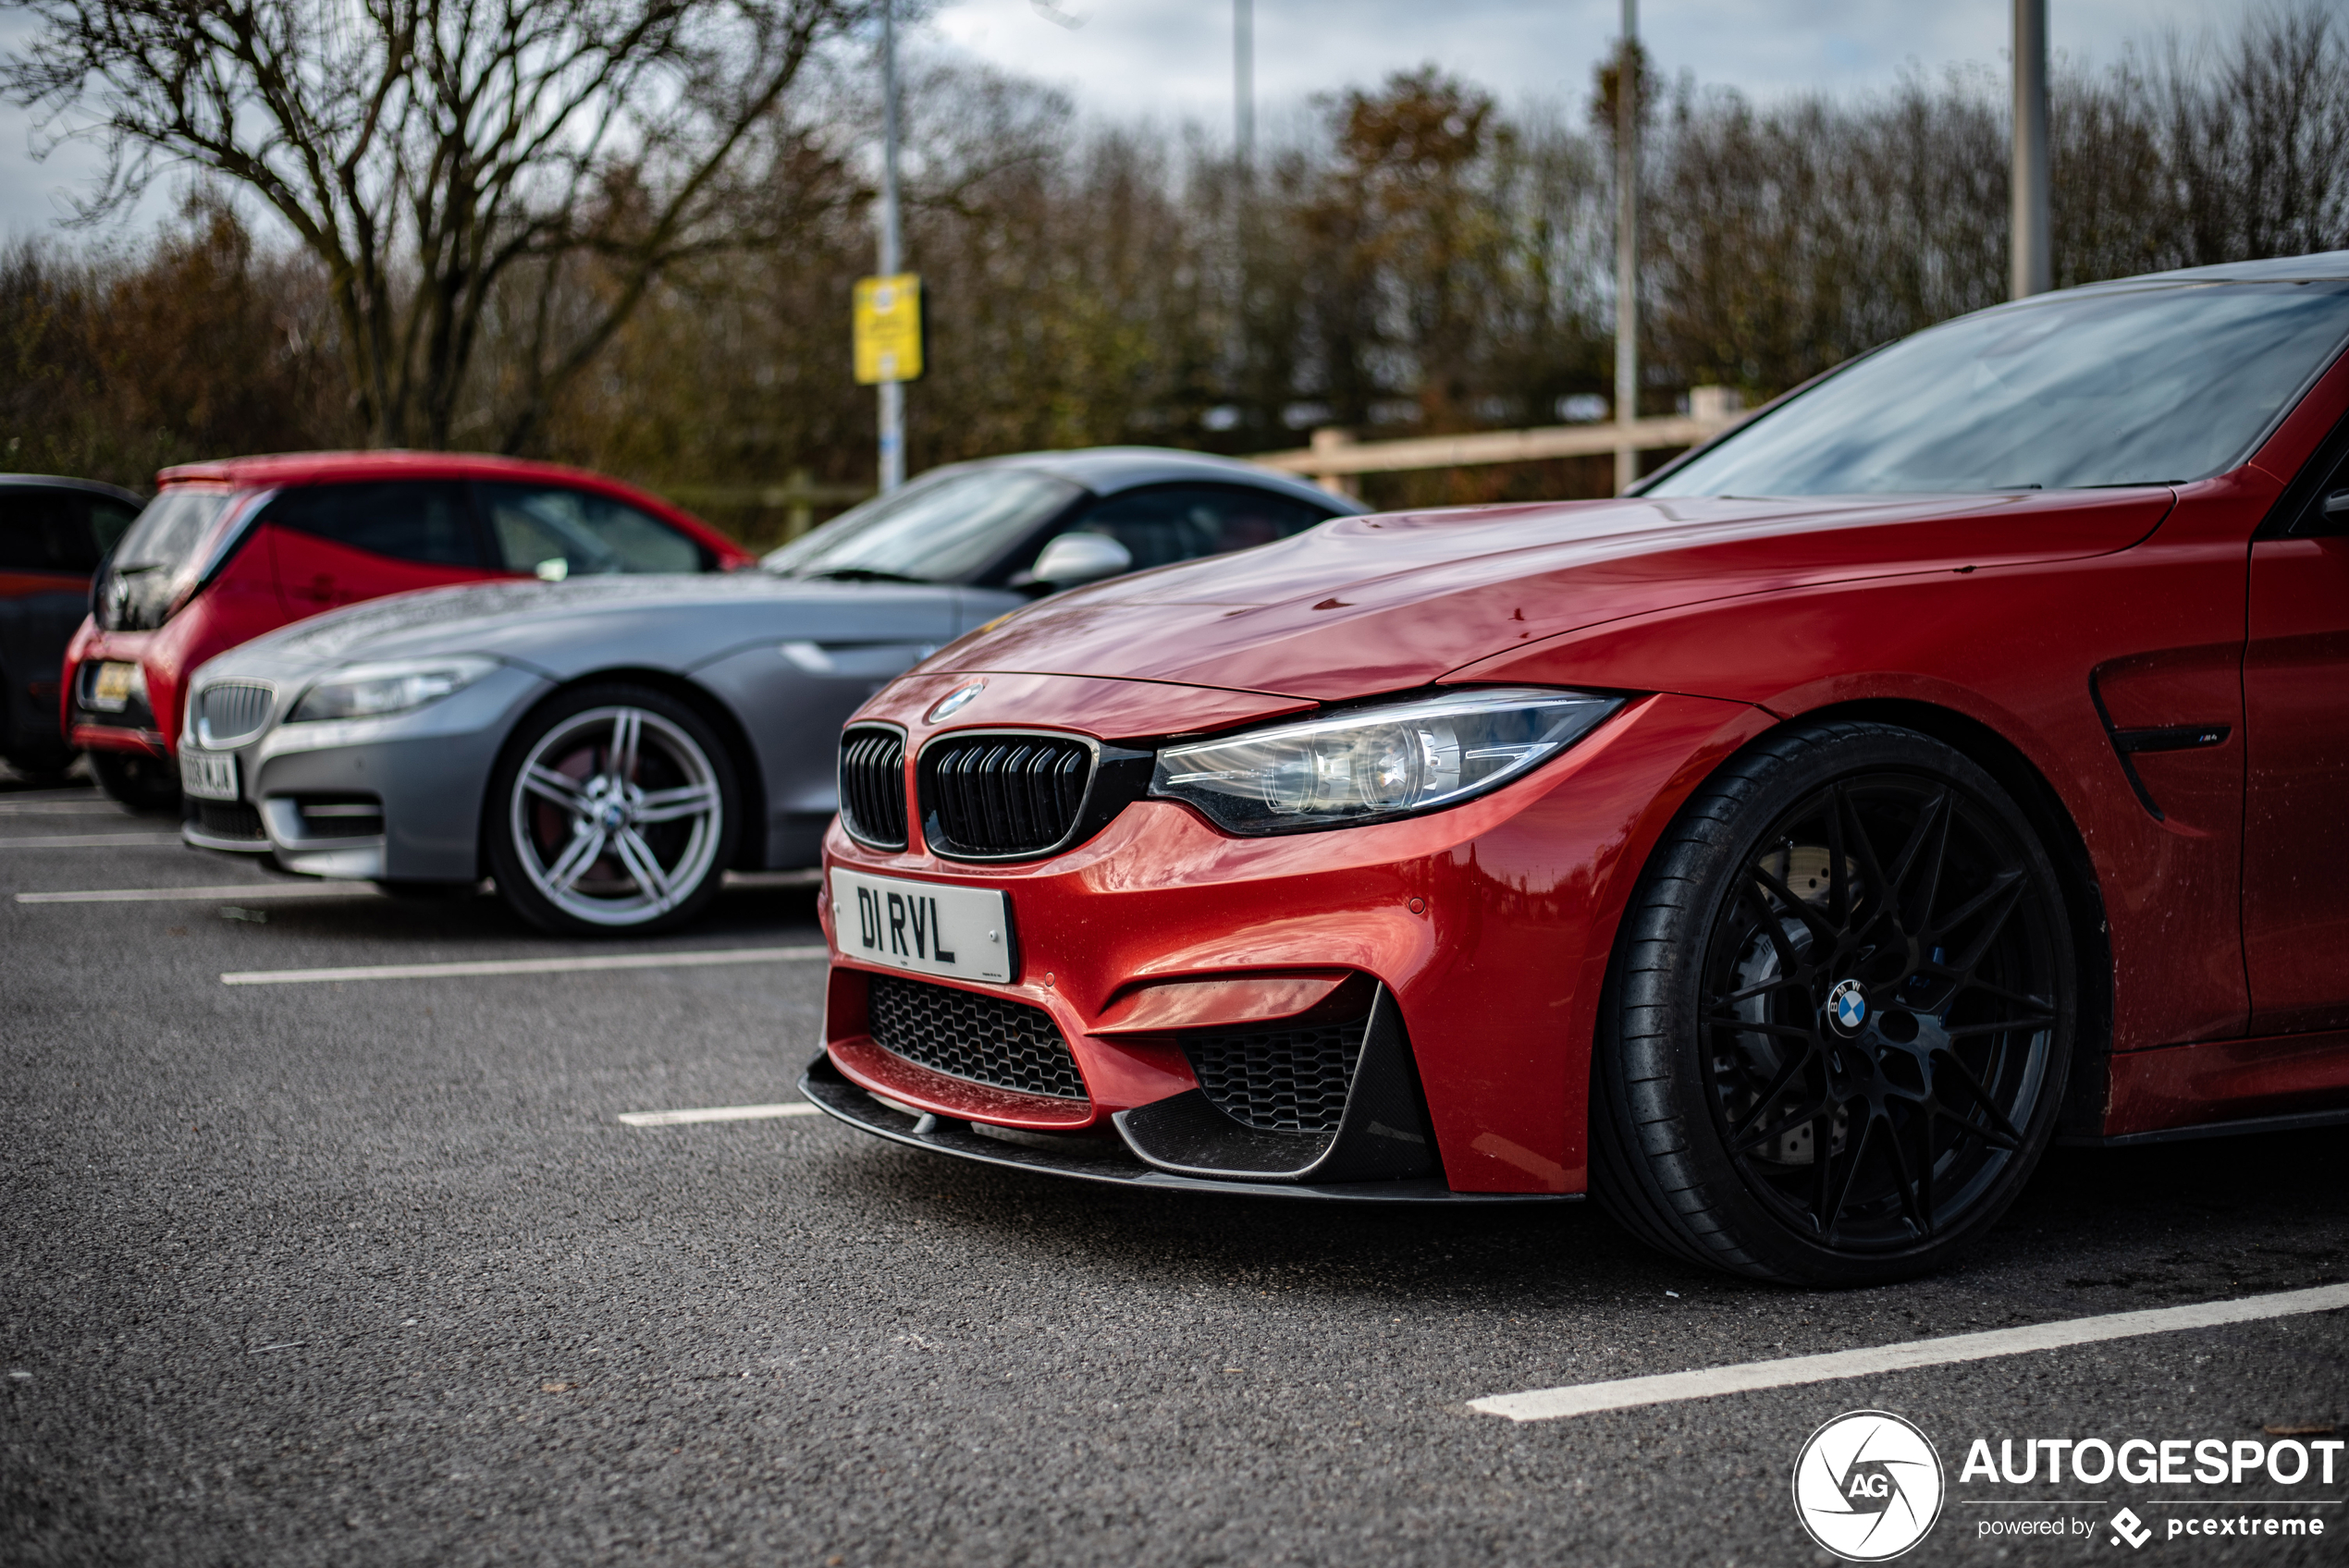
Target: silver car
[[607, 748]]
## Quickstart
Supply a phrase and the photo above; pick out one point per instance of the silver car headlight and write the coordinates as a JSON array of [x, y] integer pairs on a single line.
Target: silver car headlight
[[1375, 764], [377, 690]]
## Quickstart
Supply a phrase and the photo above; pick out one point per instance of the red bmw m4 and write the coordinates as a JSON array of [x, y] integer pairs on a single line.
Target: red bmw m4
[[1951, 759]]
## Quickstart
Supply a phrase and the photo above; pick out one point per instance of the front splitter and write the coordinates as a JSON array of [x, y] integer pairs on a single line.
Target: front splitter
[[1098, 1158]]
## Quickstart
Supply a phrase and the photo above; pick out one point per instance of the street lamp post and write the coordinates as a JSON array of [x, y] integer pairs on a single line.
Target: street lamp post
[[2031, 267], [1627, 246], [1244, 83], [893, 392]]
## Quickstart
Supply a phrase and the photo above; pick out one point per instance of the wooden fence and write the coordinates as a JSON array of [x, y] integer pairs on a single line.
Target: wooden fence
[[1335, 458]]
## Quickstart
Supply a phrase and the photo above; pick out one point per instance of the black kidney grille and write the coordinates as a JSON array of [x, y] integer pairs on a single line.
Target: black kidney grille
[[1002, 794], [872, 785], [1280, 1079], [963, 1035]]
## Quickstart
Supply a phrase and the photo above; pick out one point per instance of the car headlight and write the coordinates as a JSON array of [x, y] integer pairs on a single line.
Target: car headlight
[[373, 691], [1375, 764]]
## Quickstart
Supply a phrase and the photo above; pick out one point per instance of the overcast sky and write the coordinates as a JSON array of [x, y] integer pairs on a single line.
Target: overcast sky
[[1172, 59]]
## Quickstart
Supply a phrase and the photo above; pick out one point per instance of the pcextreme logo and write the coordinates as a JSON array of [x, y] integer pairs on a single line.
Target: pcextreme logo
[[1867, 1486]]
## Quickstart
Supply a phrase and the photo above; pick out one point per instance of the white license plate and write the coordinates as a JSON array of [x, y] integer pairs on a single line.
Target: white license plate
[[110, 693], [210, 775], [928, 927]]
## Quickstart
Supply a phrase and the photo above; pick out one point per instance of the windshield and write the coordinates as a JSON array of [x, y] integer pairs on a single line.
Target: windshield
[[556, 532], [943, 528], [161, 558], [2146, 385], [167, 532]]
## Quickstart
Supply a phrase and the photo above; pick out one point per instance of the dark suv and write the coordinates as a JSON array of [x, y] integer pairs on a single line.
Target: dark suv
[[53, 534]]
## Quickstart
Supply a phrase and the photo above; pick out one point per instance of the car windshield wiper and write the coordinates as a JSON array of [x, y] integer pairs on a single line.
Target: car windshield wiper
[[861, 574]]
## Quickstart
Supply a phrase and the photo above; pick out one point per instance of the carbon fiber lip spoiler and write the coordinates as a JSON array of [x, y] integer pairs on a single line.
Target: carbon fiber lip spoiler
[[1101, 1160]]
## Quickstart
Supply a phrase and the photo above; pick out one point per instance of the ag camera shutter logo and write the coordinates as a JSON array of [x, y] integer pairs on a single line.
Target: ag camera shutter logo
[[1868, 1485]]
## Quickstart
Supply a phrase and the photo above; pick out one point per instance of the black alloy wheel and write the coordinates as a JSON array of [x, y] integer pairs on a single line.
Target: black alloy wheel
[[1840, 1014]]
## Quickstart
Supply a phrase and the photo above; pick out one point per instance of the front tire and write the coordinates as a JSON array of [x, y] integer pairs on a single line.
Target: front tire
[[141, 782], [1840, 1015], [614, 811], [43, 770]]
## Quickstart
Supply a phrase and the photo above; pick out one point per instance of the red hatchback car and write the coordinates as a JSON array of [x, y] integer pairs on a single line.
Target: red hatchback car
[[229, 550], [1952, 758]]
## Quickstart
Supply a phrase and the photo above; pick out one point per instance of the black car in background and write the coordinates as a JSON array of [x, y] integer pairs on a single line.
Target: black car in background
[[53, 534]]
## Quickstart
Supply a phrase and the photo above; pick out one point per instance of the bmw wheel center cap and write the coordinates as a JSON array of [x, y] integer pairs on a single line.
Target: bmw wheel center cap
[[1848, 1006]]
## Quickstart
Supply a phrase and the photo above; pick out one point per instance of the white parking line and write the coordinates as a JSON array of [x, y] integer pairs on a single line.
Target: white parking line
[[244, 893], [595, 961], [94, 842], [1583, 1399], [753, 880], [744, 880], [61, 808], [719, 1113]]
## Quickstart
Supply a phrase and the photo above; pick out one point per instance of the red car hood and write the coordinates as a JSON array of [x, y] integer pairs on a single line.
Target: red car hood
[[1363, 605]]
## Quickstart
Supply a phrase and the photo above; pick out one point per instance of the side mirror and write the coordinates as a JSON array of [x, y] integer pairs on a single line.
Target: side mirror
[[1080, 557]]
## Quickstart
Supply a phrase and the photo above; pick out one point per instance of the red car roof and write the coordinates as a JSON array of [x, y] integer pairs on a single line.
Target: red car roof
[[312, 468]]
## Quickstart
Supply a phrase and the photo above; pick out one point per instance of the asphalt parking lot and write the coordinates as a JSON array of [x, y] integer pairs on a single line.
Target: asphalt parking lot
[[369, 1272]]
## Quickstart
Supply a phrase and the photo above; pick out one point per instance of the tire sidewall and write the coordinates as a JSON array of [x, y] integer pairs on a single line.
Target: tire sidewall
[[143, 783], [505, 856], [1658, 1006]]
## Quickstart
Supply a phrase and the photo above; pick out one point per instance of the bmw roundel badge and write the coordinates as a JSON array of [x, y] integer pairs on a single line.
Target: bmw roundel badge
[[953, 702], [1848, 1005]]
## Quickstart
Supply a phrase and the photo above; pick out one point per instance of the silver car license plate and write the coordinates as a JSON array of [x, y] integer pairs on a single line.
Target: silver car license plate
[[210, 775], [926, 927]]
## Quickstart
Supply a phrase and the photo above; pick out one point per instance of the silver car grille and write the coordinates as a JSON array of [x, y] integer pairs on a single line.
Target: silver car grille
[[233, 711]]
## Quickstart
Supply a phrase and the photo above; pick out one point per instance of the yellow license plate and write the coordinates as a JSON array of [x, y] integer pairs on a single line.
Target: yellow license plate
[[112, 689]]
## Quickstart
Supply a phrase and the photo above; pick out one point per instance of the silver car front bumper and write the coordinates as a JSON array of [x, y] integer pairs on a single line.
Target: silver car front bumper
[[395, 799]]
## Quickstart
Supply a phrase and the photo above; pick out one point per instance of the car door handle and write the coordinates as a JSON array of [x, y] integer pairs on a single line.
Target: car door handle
[[2337, 504]]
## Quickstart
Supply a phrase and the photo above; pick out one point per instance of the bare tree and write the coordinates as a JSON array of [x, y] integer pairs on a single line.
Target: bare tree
[[1419, 257], [439, 156], [2260, 145]]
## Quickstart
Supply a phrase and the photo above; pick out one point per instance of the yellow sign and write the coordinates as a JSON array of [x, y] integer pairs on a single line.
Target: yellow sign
[[889, 328]]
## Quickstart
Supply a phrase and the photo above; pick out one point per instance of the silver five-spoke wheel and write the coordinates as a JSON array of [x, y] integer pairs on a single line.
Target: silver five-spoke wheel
[[617, 815]]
